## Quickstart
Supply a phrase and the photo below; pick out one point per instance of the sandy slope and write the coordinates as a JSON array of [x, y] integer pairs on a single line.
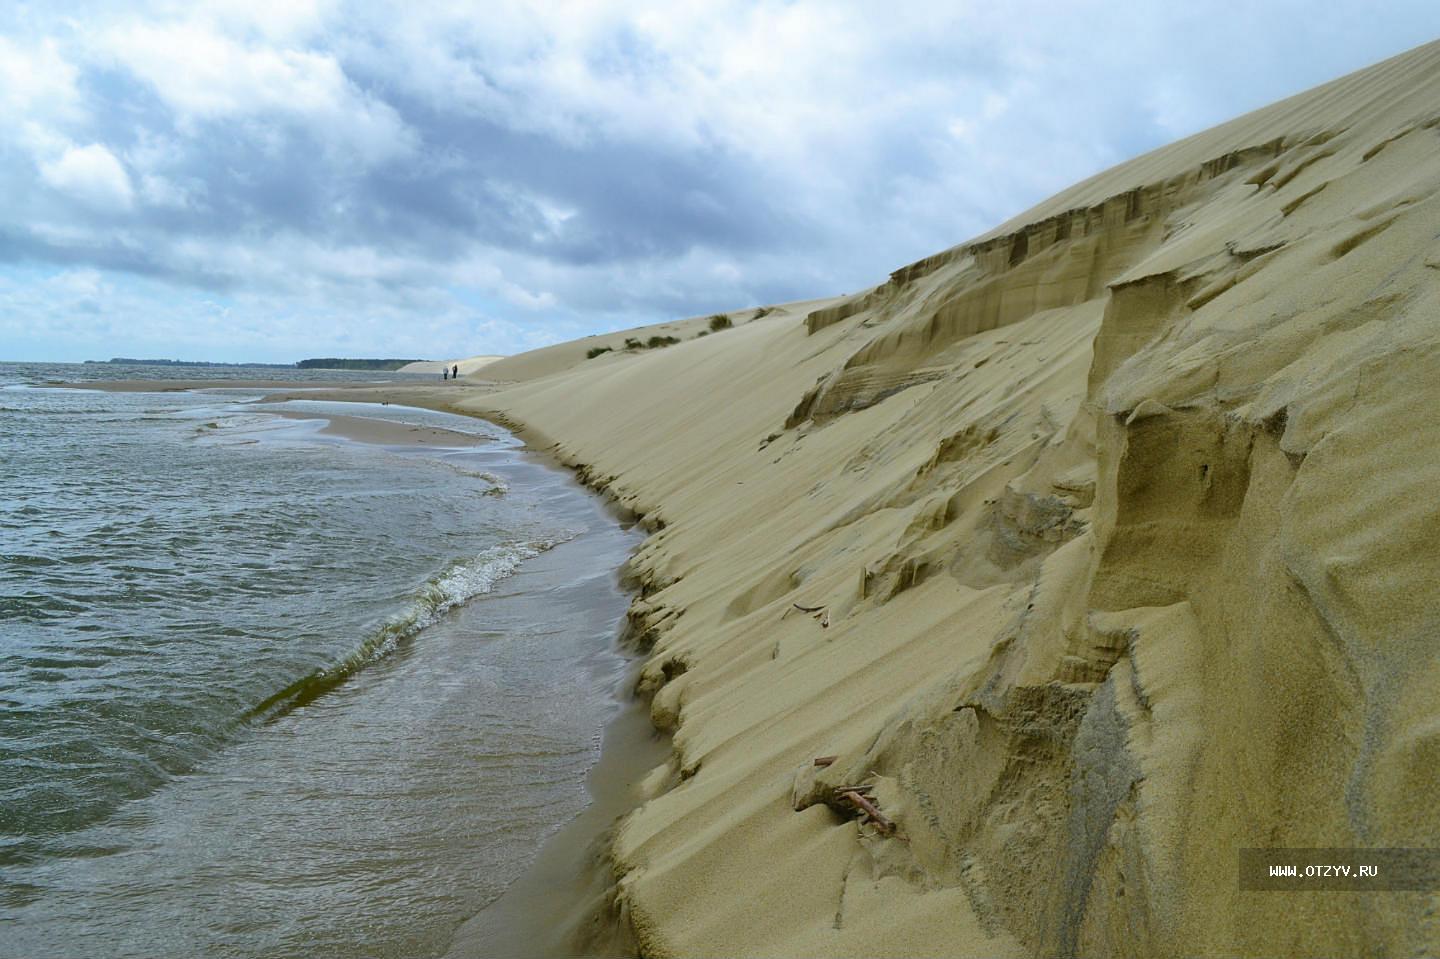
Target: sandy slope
[[1124, 522], [563, 356], [467, 366]]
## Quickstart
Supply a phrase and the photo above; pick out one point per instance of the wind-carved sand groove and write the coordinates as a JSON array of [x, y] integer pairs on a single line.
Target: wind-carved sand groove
[[1122, 520]]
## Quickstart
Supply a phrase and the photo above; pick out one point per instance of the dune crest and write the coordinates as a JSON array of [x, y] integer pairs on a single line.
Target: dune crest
[[1114, 532], [467, 366]]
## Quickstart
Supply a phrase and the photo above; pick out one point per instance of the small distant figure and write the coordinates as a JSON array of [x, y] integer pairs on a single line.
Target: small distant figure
[[455, 372], [444, 372]]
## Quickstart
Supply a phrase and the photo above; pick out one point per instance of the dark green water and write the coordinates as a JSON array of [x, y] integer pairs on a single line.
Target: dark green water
[[267, 692]]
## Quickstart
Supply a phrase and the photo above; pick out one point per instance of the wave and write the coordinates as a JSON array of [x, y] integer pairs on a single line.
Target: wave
[[498, 487], [459, 582]]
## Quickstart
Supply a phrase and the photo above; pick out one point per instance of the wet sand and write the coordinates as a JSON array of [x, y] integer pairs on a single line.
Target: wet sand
[[365, 429], [564, 904], [445, 397]]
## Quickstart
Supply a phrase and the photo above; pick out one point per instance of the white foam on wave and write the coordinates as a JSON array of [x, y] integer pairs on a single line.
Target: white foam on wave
[[498, 487], [457, 584], [470, 578]]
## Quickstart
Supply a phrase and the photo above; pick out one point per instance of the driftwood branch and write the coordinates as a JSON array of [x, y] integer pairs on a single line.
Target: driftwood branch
[[885, 826], [825, 760]]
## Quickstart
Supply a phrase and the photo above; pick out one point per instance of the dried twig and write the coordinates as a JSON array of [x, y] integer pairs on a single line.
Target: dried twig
[[868, 808], [825, 760]]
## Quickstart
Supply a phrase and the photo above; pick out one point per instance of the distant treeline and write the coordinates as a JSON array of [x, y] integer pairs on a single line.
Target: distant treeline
[[131, 361], [331, 363]]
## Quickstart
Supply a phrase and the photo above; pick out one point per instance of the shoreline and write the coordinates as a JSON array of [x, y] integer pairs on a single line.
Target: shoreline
[[584, 920], [564, 903], [378, 432]]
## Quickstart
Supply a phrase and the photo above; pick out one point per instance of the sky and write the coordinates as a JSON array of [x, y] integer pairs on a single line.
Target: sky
[[270, 180]]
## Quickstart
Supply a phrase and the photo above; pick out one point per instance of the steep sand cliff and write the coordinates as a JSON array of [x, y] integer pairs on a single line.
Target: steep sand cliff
[[1118, 529]]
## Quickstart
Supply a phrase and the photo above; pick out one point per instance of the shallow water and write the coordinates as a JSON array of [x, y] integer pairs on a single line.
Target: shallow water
[[266, 691]]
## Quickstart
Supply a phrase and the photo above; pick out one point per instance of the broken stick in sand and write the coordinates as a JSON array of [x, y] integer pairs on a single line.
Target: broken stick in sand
[[885, 826], [824, 612]]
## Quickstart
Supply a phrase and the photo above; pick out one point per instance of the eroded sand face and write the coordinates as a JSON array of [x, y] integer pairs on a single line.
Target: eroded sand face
[[1123, 522]]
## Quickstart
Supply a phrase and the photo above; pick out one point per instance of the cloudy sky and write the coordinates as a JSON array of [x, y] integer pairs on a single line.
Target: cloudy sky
[[275, 179]]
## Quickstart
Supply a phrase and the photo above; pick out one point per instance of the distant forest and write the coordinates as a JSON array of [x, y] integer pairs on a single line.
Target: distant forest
[[331, 363]]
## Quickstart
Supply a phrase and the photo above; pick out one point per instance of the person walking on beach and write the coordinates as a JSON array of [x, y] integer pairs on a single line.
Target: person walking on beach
[[455, 372], [444, 372]]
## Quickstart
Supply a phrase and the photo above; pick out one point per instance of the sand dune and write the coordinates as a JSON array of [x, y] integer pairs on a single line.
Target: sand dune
[[613, 346], [467, 366], [1117, 527]]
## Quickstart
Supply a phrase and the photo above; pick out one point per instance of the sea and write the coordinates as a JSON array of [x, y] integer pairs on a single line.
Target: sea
[[269, 691]]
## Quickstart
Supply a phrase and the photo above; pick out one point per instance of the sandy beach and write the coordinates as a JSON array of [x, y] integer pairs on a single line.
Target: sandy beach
[[991, 611]]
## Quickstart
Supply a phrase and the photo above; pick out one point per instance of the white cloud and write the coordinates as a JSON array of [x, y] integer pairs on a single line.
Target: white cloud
[[204, 75], [161, 191], [200, 73], [758, 78], [38, 96], [281, 21], [35, 77], [78, 283], [93, 175], [519, 296]]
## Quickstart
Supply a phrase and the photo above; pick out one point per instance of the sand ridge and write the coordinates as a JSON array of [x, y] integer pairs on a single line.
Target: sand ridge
[[467, 366], [1116, 530]]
